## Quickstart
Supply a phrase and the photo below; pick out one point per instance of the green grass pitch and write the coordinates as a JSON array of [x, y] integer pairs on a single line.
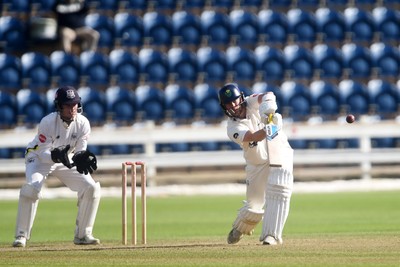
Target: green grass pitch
[[341, 229]]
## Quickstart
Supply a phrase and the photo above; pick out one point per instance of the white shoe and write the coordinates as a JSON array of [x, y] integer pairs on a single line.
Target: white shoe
[[19, 242], [270, 240], [87, 240], [234, 236]]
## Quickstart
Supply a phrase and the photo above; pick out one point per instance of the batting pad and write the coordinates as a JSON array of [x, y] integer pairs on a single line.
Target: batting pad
[[247, 220], [88, 204], [27, 206], [279, 191]]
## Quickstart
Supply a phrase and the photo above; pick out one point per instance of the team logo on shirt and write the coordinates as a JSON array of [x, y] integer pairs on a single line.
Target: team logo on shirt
[[42, 138]]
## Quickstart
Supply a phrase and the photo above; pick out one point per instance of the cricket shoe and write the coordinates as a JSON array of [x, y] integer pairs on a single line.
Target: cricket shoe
[[86, 240], [19, 242], [234, 236], [271, 241]]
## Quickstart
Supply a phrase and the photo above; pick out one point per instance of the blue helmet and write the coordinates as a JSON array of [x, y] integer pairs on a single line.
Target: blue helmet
[[67, 95], [228, 94]]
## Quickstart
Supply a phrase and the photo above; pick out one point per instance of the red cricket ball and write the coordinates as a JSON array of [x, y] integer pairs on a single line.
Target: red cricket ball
[[350, 118]]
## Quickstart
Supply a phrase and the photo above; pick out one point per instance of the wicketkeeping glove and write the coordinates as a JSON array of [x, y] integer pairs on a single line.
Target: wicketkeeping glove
[[60, 155], [85, 161]]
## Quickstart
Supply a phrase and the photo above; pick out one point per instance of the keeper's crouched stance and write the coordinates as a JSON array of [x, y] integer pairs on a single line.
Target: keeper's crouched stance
[[61, 136], [269, 189]]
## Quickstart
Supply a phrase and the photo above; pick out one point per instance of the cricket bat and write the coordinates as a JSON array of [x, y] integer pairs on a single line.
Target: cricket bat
[[273, 143]]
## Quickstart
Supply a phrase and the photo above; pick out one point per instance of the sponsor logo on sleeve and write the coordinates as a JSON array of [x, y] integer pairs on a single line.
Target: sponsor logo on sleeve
[[42, 138], [235, 135]]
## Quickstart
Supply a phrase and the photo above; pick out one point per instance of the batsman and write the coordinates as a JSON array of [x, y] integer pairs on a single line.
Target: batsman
[[60, 148], [254, 124]]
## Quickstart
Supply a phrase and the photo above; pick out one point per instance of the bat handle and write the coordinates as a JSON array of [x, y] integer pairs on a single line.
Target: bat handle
[[270, 118]]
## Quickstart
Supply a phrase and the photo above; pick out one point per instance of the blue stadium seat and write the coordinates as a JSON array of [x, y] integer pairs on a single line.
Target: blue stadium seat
[[8, 110], [328, 61], [331, 25], [385, 59], [165, 6], [153, 65], [186, 29], [124, 67], [359, 25], [136, 7], [223, 5], [10, 72], [195, 6], [157, 29], [241, 63], [273, 27], [13, 35], [207, 103], [212, 64], [104, 6], [354, 97], [94, 105], [264, 87], [252, 5], [244, 26], [270, 63], [384, 97], [326, 101], [279, 4], [179, 104], [94, 68], [216, 28], [32, 107], [129, 30], [357, 61], [387, 23], [302, 25], [36, 70], [49, 98], [121, 105], [299, 62], [16, 7], [105, 26], [183, 66], [150, 103], [297, 102], [65, 68], [42, 6]]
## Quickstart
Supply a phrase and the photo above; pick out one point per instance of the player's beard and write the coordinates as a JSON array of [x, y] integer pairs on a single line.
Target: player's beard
[[68, 117]]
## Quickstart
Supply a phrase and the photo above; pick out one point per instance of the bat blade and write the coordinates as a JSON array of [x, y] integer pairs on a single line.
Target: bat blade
[[273, 144]]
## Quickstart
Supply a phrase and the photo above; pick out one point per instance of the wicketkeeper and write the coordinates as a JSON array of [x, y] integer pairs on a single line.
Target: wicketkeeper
[[60, 149], [268, 188]]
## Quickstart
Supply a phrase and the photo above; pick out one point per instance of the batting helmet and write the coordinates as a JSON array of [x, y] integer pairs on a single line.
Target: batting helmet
[[228, 94], [67, 95]]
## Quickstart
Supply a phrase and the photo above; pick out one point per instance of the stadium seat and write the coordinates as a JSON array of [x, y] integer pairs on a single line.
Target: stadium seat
[[297, 102], [31, 106], [270, 63], [299, 62], [264, 87], [222, 5], [328, 61], [186, 29], [13, 35], [302, 26], [8, 110], [104, 6], [10, 72], [136, 7], [207, 103], [157, 29], [165, 6], [384, 97], [244, 27], [387, 23], [183, 66], [94, 68], [326, 101], [124, 67], [94, 105], [42, 6], [150, 103], [16, 7], [359, 25], [194, 6], [241, 64], [279, 4], [331, 25], [153, 65], [212, 64], [179, 104], [251, 5], [105, 26], [121, 105], [129, 30], [385, 59], [357, 61], [65, 68], [49, 98], [36, 70], [273, 27], [354, 97], [216, 28]]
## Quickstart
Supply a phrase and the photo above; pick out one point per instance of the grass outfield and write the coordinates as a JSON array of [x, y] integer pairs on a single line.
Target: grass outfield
[[341, 229]]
